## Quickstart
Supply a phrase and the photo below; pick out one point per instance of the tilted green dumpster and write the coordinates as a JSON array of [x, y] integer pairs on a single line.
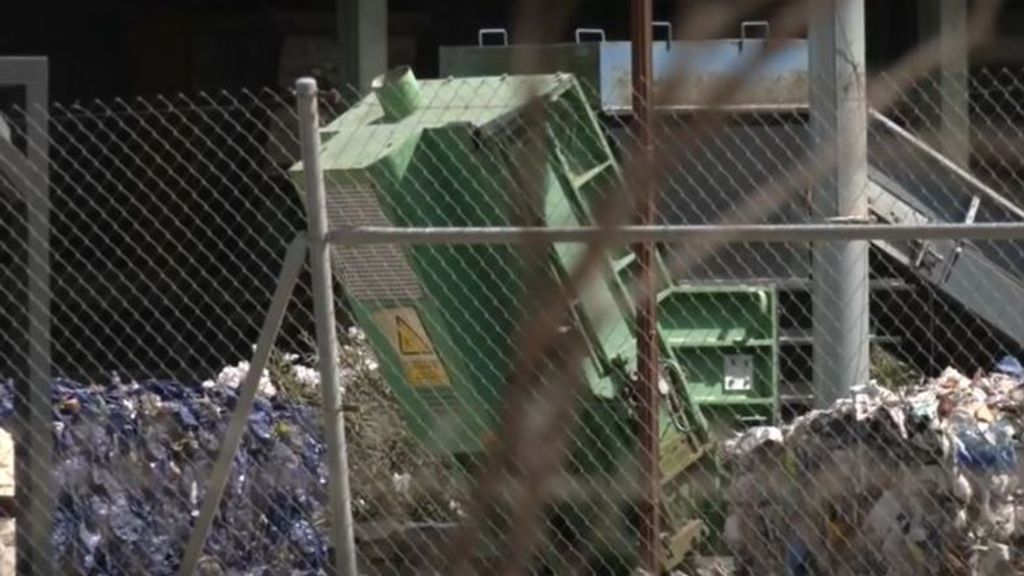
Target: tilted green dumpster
[[444, 319]]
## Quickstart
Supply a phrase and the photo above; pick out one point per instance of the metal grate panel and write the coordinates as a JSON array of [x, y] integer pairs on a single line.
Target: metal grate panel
[[369, 273]]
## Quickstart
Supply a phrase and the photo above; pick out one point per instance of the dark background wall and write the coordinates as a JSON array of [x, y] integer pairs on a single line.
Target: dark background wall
[[128, 47], [170, 315]]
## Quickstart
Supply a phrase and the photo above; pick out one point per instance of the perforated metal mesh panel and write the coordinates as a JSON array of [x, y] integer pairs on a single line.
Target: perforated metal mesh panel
[[378, 272]]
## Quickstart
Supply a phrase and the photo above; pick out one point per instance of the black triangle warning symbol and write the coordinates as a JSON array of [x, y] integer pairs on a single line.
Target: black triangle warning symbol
[[409, 342]]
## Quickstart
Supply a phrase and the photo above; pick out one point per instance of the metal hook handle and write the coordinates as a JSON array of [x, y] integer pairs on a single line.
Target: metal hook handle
[[673, 375], [492, 32], [744, 27], [668, 27], [590, 31]]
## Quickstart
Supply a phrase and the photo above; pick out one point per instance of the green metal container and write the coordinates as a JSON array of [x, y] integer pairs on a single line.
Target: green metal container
[[443, 318], [724, 341]]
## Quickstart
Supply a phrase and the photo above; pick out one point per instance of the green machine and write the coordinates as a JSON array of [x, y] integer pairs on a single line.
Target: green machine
[[443, 319]]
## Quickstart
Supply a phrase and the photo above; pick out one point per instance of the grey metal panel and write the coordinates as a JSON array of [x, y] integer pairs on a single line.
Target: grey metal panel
[[606, 68], [780, 80], [707, 184], [581, 60], [967, 276], [941, 195], [29, 71]]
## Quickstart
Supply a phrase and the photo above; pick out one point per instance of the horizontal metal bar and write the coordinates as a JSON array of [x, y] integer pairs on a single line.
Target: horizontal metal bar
[[779, 108], [804, 285], [767, 233]]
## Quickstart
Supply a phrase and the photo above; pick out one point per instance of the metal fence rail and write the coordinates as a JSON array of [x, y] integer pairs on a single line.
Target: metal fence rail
[[485, 287]]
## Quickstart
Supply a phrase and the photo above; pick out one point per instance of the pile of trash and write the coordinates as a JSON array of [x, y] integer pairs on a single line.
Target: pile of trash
[[132, 459], [923, 480], [131, 463]]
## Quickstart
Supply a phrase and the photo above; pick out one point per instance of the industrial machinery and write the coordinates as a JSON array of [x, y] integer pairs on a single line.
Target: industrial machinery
[[734, 336], [909, 183], [443, 318]]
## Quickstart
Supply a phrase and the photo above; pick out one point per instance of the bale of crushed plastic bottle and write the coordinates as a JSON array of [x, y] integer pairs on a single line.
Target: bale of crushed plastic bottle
[[131, 464], [132, 458], [923, 480]]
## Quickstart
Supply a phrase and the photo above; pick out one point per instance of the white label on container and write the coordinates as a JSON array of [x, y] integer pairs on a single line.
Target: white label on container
[[739, 373]]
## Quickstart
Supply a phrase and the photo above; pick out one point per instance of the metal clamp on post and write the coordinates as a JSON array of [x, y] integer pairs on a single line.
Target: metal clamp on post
[[958, 245], [744, 27], [581, 32], [927, 257], [484, 32]]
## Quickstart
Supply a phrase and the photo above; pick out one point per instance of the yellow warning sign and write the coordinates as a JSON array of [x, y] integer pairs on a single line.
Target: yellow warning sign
[[420, 364], [428, 372], [409, 342]]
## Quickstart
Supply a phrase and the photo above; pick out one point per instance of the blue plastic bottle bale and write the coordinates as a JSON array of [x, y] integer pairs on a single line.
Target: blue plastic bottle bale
[[127, 489], [977, 453], [1010, 366]]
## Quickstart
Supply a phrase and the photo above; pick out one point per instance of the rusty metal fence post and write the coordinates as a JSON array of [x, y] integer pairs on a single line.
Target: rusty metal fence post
[[641, 19]]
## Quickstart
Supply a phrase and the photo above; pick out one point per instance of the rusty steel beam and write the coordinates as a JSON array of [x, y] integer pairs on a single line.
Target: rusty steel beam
[[641, 23]]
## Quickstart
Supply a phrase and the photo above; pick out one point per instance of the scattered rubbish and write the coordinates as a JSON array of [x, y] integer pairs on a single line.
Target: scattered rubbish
[[922, 480]]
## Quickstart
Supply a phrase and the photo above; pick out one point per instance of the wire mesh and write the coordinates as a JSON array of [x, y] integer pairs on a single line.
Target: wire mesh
[[490, 392], [736, 329]]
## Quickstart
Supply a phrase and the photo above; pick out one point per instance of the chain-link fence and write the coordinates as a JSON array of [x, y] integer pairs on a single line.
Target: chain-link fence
[[490, 393]]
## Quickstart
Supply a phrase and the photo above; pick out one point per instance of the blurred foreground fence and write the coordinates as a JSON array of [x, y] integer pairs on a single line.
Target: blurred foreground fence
[[489, 388]]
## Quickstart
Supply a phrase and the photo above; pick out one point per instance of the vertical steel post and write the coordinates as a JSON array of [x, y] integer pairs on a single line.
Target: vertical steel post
[[342, 536], [947, 92], [953, 82], [362, 27], [29, 174], [40, 458], [839, 119], [641, 17]]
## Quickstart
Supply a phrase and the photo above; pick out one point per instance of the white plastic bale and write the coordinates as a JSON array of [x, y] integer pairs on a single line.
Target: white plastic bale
[[6, 465], [913, 514], [8, 536]]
